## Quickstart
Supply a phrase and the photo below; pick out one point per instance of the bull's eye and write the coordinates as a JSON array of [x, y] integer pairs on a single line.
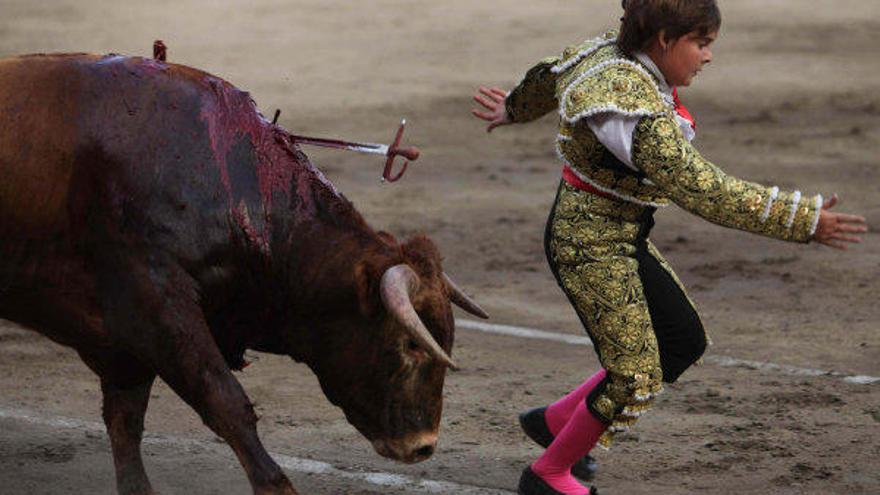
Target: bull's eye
[[412, 345]]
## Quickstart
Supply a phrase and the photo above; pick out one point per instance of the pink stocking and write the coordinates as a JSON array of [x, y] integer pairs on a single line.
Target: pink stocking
[[574, 441], [557, 414]]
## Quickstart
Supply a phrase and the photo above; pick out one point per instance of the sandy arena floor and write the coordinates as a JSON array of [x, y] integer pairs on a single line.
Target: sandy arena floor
[[791, 99]]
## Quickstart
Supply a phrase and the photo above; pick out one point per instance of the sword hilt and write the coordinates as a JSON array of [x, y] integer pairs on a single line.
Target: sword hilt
[[411, 153]]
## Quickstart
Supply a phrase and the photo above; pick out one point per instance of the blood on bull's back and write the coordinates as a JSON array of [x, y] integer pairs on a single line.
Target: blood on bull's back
[[96, 151], [167, 142]]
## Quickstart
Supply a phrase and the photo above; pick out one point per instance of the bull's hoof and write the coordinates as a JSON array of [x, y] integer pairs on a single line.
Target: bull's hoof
[[281, 486], [532, 484], [283, 490], [535, 427]]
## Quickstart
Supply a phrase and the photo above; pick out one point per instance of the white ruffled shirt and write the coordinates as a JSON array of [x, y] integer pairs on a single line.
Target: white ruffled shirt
[[615, 131]]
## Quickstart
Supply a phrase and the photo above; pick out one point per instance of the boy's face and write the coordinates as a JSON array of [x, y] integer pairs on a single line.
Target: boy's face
[[683, 58]]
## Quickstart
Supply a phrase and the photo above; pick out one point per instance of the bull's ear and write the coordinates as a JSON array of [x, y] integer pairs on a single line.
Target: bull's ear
[[367, 288], [387, 238], [421, 252]]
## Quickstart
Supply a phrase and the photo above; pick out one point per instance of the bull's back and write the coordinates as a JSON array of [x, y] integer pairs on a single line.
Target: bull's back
[[94, 149], [37, 142], [82, 134]]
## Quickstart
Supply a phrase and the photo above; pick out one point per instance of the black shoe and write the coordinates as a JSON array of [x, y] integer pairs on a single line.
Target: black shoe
[[532, 484], [535, 427]]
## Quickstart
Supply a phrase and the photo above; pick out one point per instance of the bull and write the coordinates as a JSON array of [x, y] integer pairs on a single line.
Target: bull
[[154, 221]]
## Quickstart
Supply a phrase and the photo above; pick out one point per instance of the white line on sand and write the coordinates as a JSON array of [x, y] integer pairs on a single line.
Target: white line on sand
[[391, 480], [725, 361], [294, 464]]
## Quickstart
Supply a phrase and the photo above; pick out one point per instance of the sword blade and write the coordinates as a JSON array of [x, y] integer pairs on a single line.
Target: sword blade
[[373, 148]]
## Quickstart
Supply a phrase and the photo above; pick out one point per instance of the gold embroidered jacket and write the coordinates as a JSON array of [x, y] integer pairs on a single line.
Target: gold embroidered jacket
[[595, 78]]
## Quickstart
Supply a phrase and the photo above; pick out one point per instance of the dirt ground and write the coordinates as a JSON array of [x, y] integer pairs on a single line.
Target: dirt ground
[[792, 99]]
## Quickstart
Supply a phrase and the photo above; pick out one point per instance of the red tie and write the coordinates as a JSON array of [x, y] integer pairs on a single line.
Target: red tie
[[681, 110]]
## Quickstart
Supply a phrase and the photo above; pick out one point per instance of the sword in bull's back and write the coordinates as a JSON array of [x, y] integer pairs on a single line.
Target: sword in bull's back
[[390, 152]]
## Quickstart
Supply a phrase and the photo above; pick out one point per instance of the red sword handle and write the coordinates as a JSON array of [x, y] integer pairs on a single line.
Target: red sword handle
[[394, 150], [411, 153]]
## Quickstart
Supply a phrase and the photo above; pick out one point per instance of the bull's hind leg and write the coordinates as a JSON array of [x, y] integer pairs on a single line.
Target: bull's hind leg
[[124, 410]]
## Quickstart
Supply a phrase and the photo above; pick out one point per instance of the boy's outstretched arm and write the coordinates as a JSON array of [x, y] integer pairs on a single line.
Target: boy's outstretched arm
[[532, 98], [692, 182]]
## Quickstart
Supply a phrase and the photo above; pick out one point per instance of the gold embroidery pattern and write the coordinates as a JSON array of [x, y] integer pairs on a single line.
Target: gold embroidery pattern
[[572, 55], [592, 245], [535, 96], [605, 82], [620, 85], [698, 186], [579, 147]]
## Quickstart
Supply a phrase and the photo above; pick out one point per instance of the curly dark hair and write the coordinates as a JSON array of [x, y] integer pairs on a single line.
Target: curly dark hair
[[644, 19]]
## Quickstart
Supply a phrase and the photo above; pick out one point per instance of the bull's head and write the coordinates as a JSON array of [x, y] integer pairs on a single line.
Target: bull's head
[[389, 357]]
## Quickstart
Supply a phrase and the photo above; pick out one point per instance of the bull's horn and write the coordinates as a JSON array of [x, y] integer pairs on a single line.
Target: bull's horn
[[461, 299], [398, 283]]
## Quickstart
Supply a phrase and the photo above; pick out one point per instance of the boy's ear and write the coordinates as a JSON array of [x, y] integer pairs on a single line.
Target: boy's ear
[[663, 40]]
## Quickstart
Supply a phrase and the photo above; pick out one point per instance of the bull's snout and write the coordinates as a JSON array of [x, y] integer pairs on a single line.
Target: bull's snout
[[416, 447]]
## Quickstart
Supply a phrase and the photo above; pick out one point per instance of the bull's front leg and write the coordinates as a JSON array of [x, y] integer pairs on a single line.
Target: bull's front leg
[[124, 410], [164, 325], [125, 384], [211, 389]]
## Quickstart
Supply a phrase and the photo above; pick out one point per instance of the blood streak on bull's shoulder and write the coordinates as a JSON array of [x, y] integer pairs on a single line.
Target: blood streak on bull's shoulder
[[249, 148]]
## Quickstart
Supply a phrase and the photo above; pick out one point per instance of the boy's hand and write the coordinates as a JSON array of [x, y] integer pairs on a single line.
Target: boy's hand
[[493, 100], [835, 229]]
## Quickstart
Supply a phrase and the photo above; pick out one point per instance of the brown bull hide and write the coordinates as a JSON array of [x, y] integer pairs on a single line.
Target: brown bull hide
[[154, 221]]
